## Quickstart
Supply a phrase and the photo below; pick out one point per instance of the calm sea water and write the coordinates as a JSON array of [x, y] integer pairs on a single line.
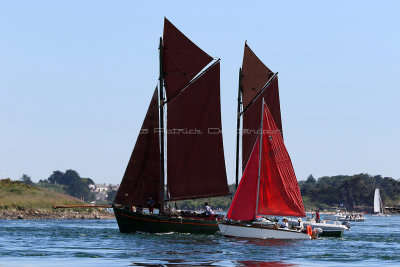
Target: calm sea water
[[374, 242]]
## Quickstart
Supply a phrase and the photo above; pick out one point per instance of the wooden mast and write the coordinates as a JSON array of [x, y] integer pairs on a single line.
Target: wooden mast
[[259, 159], [161, 107], [238, 126]]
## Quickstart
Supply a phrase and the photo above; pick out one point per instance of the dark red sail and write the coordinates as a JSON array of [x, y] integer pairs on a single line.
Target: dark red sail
[[196, 165], [182, 59], [142, 175], [254, 76], [279, 192], [252, 117]]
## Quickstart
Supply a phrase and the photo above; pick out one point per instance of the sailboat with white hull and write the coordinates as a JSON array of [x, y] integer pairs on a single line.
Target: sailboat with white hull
[[379, 209], [196, 166], [268, 187]]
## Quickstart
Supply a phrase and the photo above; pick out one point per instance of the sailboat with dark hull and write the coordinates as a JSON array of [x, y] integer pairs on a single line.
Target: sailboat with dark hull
[[193, 165]]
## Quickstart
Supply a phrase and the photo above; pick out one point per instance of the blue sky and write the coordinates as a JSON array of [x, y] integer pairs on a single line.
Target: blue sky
[[76, 78]]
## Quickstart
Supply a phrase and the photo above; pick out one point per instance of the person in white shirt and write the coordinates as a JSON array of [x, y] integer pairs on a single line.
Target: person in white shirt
[[208, 209], [285, 223]]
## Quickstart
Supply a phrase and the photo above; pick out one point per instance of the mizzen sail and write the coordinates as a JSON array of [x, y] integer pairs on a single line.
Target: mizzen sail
[[142, 175]]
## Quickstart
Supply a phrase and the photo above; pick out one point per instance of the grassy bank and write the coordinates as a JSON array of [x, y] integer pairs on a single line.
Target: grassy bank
[[20, 196]]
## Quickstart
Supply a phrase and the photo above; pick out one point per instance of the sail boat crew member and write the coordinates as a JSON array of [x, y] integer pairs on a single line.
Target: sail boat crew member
[[209, 211], [151, 204]]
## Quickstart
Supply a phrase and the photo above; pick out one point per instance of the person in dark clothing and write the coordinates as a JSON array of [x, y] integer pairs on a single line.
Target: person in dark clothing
[[151, 204], [317, 217]]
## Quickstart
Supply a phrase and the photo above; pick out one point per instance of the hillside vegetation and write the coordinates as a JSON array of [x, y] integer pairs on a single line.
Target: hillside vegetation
[[21, 196], [350, 192]]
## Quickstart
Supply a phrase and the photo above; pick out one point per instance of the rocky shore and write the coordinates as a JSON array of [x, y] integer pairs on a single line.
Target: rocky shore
[[14, 214]]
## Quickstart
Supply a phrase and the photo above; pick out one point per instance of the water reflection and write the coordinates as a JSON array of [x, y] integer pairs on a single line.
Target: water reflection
[[181, 262], [265, 242], [265, 263]]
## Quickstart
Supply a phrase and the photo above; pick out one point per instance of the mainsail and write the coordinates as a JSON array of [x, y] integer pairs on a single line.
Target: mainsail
[[196, 164], [279, 192], [377, 201], [257, 82], [142, 175]]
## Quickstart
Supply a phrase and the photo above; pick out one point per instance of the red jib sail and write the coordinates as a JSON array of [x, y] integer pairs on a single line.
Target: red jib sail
[[196, 164], [255, 76], [142, 175], [279, 192], [182, 59]]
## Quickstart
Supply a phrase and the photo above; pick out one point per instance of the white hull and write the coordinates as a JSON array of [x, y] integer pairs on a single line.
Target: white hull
[[326, 226], [335, 217], [258, 232], [381, 215]]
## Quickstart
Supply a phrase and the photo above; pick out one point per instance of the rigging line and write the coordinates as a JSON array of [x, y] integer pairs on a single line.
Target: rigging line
[[261, 91], [193, 81]]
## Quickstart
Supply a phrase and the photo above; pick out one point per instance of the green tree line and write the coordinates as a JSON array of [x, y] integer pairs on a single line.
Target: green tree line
[[350, 192]]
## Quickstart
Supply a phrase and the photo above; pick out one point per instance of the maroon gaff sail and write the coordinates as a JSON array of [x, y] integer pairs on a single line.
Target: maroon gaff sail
[[182, 60], [279, 192], [196, 164], [255, 76], [142, 175], [252, 117]]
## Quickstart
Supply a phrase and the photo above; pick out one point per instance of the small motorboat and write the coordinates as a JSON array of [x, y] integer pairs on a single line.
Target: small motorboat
[[329, 228]]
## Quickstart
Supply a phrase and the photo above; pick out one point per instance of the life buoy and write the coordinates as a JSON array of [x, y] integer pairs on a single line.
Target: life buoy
[[314, 234], [309, 230]]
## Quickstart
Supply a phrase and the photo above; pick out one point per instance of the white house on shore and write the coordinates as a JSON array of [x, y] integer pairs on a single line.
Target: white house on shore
[[100, 191]]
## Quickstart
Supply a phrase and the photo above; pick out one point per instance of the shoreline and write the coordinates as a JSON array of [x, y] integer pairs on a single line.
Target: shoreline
[[54, 215]]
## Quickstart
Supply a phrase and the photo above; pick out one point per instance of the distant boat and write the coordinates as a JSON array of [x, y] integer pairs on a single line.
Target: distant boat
[[338, 216], [345, 217], [379, 209], [196, 164]]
